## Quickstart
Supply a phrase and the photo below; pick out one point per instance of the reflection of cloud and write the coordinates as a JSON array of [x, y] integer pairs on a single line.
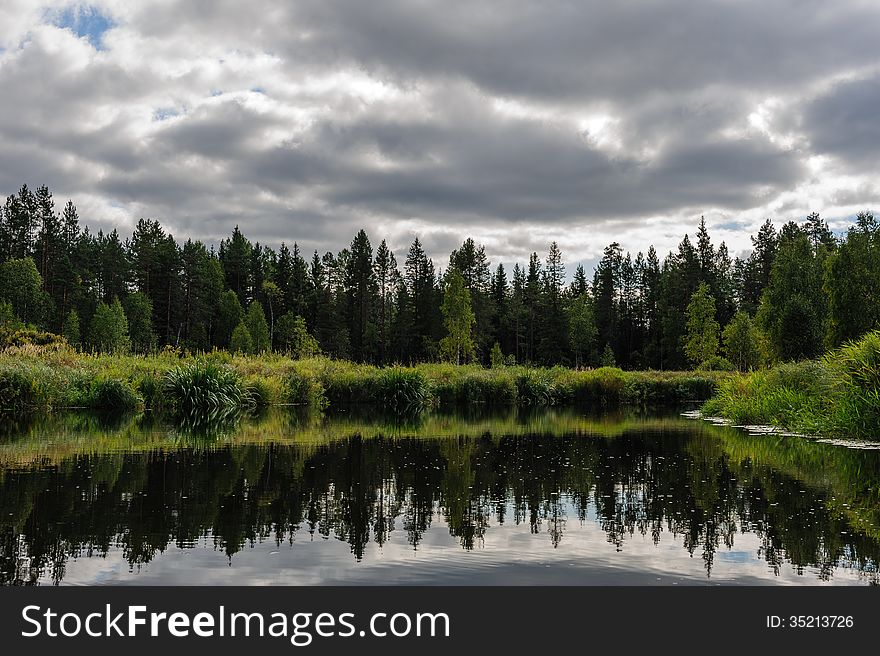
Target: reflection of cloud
[[305, 121], [509, 555]]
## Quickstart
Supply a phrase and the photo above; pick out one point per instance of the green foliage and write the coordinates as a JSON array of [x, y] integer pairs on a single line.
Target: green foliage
[[18, 389], [856, 371], [19, 337], [305, 390], [496, 357], [535, 388], [203, 386], [108, 332], [793, 307], [71, 328], [150, 389], [255, 320], [8, 319], [293, 337], [113, 394], [139, 312], [229, 317], [852, 277], [716, 363], [56, 376], [702, 329], [21, 286], [742, 342], [582, 329], [458, 318], [607, 357], [402, 390], [260, 392], [241, 341]]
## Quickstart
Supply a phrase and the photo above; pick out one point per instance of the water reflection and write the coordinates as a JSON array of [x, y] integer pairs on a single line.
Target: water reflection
[[77, 487]]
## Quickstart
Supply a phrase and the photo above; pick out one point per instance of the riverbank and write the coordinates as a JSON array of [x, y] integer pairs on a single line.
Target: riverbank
[[58, 378], [836, 395]]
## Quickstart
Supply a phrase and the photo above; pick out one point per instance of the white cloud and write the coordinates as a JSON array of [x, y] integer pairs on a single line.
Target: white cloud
[[306, 121]]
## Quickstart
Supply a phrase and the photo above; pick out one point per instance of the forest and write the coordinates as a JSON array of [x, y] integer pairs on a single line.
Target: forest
[[801, 291]]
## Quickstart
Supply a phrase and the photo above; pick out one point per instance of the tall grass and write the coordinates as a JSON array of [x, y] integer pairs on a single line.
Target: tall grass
[[205, 386], [838, 394], [403, 391], [61, 378]]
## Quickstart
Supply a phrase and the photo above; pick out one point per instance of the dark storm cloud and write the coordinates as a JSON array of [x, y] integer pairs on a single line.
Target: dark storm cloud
[[562, 49], [843, 122]]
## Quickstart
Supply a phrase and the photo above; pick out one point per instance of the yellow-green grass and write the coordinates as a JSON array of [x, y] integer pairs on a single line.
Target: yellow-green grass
[[57, 377], [838, 394]]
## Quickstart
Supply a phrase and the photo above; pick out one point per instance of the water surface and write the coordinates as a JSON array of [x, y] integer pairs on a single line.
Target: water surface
[[518, 497]]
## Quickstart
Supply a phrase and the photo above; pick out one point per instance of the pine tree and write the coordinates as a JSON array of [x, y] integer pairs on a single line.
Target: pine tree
[[757, 268], [235, 256], [553, 338], [229, 315], [532, 306], [702, 328], [582, 329], [473, 264], [606, 292], [421, 304], [361, 300], [112, 266], [793, 307], [49, 245], [499, 294], [386, 273], [201, 283]]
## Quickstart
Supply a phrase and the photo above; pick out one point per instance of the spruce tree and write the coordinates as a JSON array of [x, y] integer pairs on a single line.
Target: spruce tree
[[701, 342]]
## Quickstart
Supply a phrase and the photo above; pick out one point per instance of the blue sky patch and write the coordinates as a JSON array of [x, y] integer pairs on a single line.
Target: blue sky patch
[[85, 21], [164, 113]]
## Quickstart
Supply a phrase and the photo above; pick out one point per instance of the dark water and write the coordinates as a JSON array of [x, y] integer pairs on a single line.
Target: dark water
[[514, 498]]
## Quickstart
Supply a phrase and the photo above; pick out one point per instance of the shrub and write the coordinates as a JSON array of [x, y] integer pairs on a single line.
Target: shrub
[[150, 389], [18, 390], [402, 391], [204, 385], [855, 373], [534, 388], [716, 363], [113, 394], [304, 390], [259, 392]]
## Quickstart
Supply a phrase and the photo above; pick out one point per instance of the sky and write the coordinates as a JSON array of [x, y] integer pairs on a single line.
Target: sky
[[516, 123]]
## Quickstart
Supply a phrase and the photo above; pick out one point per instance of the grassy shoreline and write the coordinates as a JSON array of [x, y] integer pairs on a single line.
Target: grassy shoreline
[[836, 395], [59, 378]]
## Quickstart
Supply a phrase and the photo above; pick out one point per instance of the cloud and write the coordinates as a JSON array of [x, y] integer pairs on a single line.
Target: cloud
[[842, 122], [513, 122]]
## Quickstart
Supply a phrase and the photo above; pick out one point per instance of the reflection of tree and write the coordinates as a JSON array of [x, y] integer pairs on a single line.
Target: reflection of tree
[[361, 490]]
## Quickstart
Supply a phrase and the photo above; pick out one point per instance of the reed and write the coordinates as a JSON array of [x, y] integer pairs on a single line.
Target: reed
[[62, 378]]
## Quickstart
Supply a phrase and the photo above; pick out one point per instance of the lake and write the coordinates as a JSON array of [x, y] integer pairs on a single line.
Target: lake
[[494, 498]]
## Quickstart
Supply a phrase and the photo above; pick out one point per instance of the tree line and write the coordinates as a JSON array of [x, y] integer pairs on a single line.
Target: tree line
[[800, 291]]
